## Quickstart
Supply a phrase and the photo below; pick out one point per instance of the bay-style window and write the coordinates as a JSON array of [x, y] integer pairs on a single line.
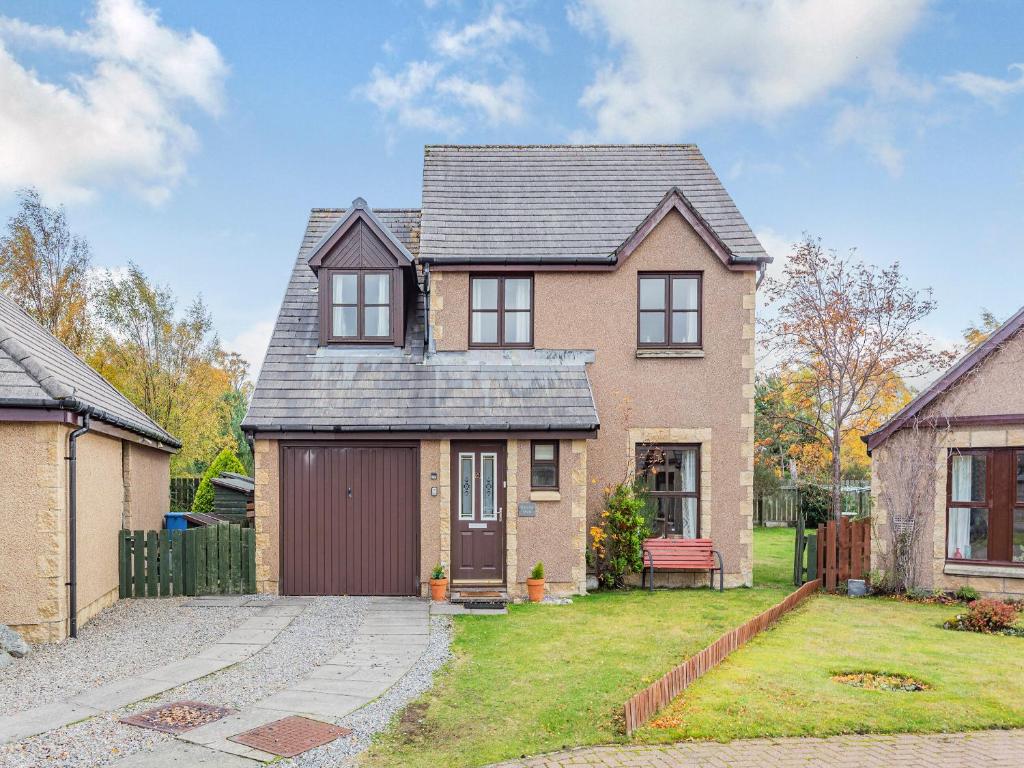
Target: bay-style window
[[671, 474], [361, 306], [501, 311], [985, 505], [669, 310]]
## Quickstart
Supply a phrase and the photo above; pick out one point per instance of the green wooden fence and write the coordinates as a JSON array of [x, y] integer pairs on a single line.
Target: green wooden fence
[[211, 560]]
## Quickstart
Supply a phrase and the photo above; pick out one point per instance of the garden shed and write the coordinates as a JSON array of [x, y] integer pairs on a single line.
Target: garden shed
[[233, 497]]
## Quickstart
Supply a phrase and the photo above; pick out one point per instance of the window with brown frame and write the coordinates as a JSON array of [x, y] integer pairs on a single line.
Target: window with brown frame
[[669, 309], [544, 465], [360, 306], [671, 474], [985, 505], [501, 311]]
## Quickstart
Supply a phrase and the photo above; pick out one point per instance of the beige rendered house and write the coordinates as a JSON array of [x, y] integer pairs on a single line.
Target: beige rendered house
[[458, 383], [59, 518], [962, 439]]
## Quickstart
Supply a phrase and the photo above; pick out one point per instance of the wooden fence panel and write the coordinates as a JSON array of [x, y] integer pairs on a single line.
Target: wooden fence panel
[[217, 559], [641, 707], [844, 551]]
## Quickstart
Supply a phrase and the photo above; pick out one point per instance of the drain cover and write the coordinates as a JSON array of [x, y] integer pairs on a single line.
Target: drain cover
[[290, 736], [178, 717]]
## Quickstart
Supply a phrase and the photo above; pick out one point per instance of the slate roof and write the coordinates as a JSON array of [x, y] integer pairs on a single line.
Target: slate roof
[[304, 388], [235, 482], [564, 203], [36, 370]]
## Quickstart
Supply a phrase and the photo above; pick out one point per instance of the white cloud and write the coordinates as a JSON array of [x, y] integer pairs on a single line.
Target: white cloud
[[120, 119], [495, 31], [679, 66], [989, 89], [252, 344], [472, 80], [871, 128]]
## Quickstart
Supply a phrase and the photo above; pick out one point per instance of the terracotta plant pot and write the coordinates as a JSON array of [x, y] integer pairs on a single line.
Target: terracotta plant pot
[[535, 588], [438, 588]]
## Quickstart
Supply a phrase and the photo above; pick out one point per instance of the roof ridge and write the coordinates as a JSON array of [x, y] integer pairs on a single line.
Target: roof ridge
[[612, 145]]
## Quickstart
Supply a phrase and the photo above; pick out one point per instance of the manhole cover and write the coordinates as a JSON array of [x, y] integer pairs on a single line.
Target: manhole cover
[[880, 681], [290, 736], [178, 717]]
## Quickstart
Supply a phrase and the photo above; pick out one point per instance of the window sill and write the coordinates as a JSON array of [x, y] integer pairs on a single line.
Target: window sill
[[980, 569], [545, 496], [668, 352]]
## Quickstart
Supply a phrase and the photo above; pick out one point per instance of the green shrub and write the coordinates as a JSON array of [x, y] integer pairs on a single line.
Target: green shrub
[[438, 572], [226, 461], [538, 571], [967, 594], [815, 504], [618, 541]]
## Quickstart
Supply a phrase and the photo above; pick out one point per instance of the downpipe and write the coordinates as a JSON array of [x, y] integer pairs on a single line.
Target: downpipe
[[72, 459]]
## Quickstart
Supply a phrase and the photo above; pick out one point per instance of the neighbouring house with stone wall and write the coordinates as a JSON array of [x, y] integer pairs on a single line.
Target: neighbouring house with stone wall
[[123, 473], [458, 383], [966, 431]]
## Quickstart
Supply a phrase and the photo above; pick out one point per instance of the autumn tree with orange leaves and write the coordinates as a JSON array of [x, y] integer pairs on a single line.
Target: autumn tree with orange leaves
[[844, 334]]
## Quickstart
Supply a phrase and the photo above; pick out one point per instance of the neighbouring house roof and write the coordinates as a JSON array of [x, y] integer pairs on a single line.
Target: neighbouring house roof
[[566, 204], [954, 374], [38, 371], [303, 387], [235, 482]]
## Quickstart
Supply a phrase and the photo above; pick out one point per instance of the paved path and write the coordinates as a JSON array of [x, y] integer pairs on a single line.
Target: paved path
[[390, 639], [249, 637], [993, 749]]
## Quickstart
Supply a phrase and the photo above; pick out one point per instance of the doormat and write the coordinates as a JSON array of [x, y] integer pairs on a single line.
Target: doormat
[[290, 736], [480, 593], [178, 717]]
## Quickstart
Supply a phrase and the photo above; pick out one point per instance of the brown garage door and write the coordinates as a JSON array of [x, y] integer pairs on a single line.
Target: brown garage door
[[349, 520]]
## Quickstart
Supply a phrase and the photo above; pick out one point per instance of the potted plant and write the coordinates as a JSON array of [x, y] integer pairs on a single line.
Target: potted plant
[[535, 584], [438, 583]]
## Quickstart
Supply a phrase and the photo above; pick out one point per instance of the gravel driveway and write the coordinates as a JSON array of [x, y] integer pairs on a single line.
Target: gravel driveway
[[130, 637], [322, 631]]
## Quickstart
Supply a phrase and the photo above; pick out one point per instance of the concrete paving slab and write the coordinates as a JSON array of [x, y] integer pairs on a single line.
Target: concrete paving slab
[[446, 609], [241, 750], [281, 610], [333, 671], [120, 693], [266, 622], [250, 636], [231, 725], [189, 669], [177, 754], [230, 651], [361, 688], [41, 719], [375, 675], [313, 703]]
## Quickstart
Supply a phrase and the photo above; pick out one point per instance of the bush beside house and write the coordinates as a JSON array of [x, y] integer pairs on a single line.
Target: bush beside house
[[226, 461]]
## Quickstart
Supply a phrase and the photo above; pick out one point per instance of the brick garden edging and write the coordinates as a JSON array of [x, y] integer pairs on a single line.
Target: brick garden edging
[[642, 706]]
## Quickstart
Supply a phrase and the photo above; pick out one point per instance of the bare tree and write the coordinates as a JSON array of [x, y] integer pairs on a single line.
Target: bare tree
[[45, 268], [851, 330]]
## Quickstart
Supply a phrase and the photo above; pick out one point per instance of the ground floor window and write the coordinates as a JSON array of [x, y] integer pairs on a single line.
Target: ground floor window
[[985, 505], [671, 474]]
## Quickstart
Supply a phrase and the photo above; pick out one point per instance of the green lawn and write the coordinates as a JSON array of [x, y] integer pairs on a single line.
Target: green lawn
[[547, 677], [773, 557], [779, 684]]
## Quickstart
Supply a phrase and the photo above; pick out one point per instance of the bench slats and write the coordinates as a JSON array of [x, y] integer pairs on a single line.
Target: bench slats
[[679, 554]]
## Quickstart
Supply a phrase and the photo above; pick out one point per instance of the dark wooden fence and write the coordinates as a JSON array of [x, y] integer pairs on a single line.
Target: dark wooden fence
[[183, 492], [212, 560], [642, 706], [844, 551]]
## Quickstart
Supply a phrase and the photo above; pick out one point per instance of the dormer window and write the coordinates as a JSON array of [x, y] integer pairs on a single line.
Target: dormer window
[[365, 275], [361, 307]]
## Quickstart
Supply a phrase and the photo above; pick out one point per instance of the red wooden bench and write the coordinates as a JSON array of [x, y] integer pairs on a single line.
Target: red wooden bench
[[682, 555]]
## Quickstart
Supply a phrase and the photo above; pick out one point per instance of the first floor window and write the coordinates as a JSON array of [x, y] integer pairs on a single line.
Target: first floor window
[[671, 474], [669, 309], [544, 464], [360, 306], [501, 311], [985, 505]]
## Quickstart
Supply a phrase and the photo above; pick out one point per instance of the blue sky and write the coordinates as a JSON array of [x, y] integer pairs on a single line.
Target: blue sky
[[193, 137]]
